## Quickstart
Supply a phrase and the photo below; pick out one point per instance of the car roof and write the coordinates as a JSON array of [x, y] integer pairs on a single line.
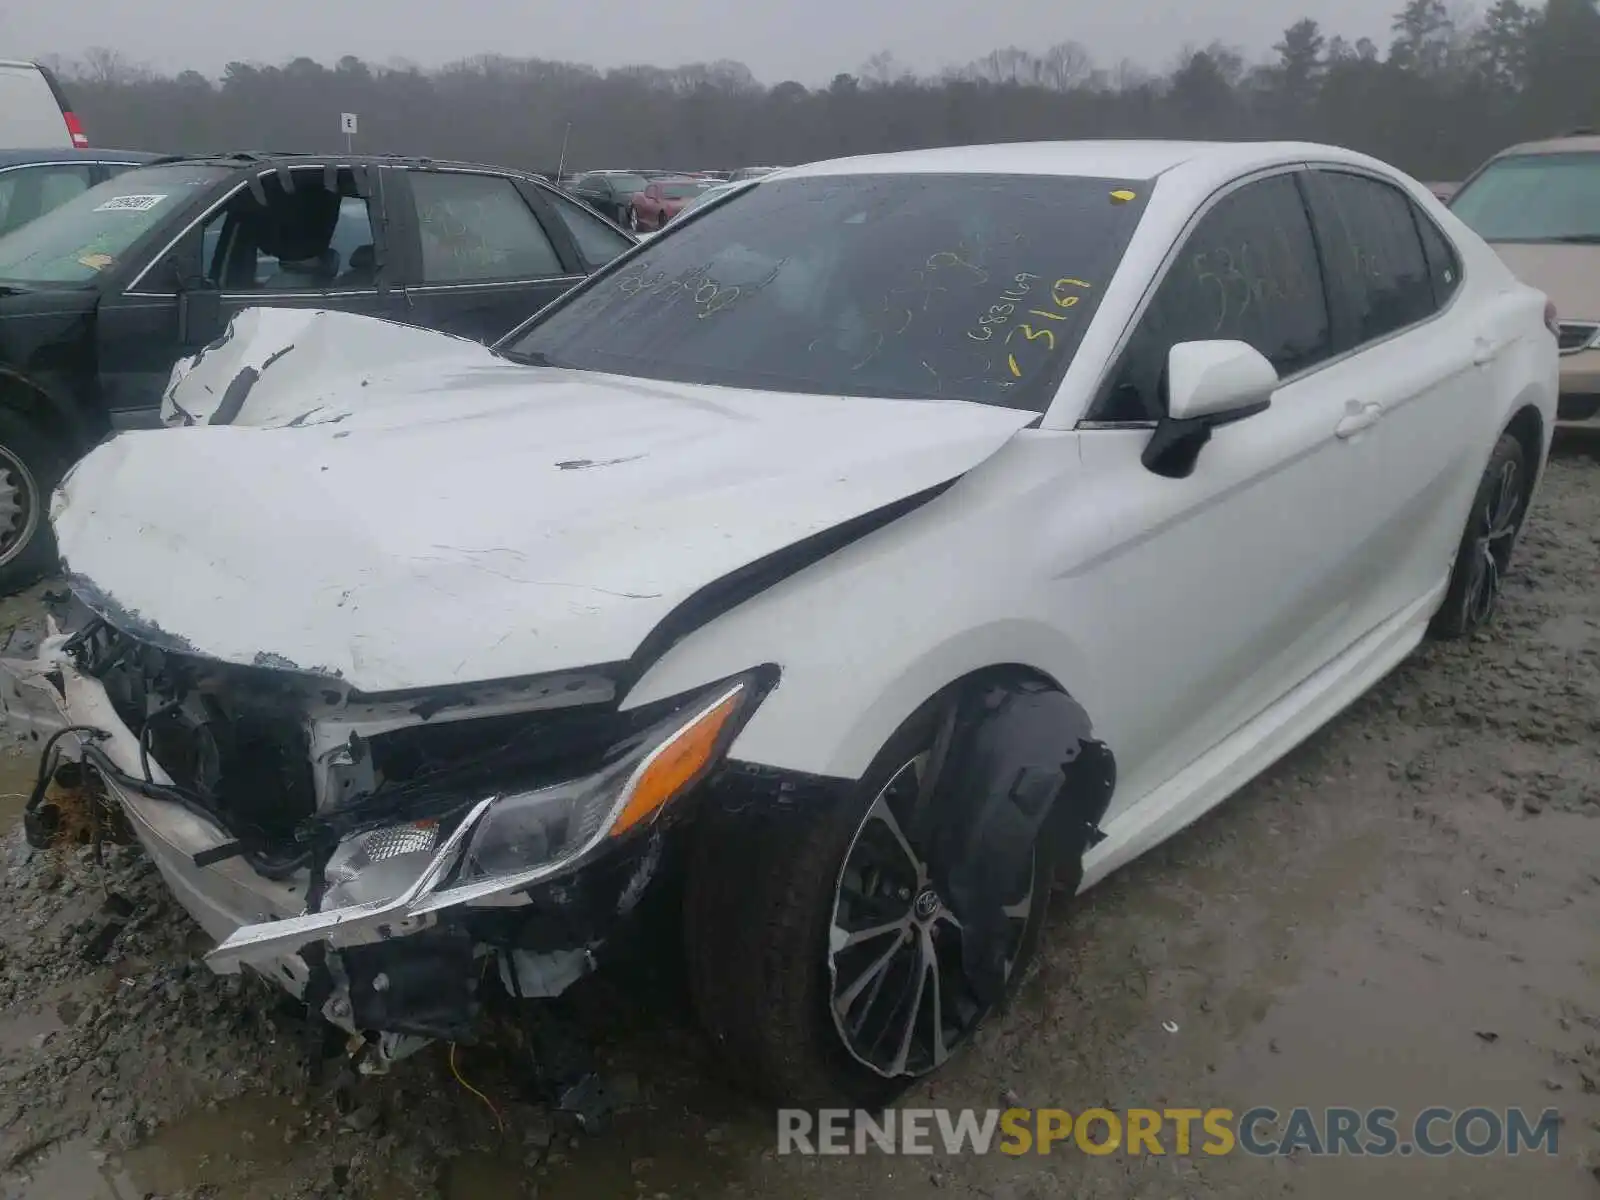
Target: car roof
[[245, 159], [1568, 144], [1110, 159], [22, 158]]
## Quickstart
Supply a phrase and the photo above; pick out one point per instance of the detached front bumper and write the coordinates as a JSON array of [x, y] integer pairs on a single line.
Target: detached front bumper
[[356, 964], [225, 898]]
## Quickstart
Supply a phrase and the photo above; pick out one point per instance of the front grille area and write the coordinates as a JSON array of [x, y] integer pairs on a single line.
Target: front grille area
[[1575, 335], [232, 738], [235, 741]]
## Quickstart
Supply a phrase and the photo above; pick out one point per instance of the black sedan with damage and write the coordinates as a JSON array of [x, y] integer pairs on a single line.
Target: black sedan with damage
[[102, 295]]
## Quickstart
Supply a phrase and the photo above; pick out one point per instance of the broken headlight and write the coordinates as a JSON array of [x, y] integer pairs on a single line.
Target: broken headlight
[[380, 864], [560, 822], [540, 831]]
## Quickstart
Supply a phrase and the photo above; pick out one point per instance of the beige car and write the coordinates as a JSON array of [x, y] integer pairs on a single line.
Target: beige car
[[1538, 205]]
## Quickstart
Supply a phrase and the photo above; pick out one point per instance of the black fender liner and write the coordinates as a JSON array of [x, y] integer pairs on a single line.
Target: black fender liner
[[1021, 764]]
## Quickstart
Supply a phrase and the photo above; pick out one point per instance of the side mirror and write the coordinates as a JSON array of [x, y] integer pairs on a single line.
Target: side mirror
[[1208, 384], [199, 310]]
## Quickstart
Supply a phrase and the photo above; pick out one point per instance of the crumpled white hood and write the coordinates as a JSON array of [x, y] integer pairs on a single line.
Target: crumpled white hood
[[472, 519]]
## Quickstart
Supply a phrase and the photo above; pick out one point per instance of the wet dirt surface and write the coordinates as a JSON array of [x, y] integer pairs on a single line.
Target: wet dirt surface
[[1402, 913]]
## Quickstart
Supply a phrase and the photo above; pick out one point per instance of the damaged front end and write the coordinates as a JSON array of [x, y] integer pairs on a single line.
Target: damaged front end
[[377, 857]]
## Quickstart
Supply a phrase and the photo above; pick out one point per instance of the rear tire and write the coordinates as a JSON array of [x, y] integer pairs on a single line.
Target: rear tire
[[1498, 509], [633, 220], [31, 464], [765, 888]]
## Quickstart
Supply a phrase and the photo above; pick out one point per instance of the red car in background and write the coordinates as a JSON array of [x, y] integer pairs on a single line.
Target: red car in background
[[661, 200]]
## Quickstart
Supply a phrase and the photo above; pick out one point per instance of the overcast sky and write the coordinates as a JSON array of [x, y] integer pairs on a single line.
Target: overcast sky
[[808, 40]]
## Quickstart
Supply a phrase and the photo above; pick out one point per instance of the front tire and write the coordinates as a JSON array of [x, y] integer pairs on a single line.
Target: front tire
[[1498, 509], [31, 464], [822, 964]]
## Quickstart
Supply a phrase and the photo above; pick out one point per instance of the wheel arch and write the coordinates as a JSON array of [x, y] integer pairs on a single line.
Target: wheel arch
[[1050, 751], [1527, 425], [839, 699], [56, 416]]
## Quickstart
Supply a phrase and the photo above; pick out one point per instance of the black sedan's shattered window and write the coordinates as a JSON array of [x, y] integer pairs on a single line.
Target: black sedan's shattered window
[[966, 287]]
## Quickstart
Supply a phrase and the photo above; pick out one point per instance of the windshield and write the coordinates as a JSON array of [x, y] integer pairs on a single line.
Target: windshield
[[964, 287], [91, 232], [1534, 198], [711, 193], [678, 191]]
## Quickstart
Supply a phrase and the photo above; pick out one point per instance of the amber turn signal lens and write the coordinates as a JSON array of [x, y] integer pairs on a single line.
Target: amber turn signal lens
[[677, 763]]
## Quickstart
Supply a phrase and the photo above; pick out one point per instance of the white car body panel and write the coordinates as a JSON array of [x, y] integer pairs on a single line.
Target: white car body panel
[[304, 360], [567, 513], [425, 532]]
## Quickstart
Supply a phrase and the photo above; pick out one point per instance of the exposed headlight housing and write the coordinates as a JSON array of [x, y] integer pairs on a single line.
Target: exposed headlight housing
[[395, 875], [562, 822]]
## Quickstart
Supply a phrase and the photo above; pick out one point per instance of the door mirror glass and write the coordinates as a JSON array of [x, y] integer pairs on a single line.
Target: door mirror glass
[[1216, 378]]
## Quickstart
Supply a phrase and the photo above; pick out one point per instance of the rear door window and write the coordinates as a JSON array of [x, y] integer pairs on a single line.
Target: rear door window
[[1247, 272], [1444, 264], [478, 229], [1376, 264]]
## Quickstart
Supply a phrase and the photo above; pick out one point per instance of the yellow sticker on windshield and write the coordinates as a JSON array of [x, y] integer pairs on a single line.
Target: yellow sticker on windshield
[[96, 262], [1122, 196]]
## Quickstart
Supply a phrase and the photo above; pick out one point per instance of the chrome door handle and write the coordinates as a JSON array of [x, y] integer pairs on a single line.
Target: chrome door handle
[[1358, 416]]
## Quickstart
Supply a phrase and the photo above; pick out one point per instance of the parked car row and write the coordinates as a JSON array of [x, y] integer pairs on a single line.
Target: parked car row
[[647, 200], [886, 541]]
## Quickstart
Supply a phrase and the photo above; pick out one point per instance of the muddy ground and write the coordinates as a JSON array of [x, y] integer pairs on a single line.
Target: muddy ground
[[1405, 912]]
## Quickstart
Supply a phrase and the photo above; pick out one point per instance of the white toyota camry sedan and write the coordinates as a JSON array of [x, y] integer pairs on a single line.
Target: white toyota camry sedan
[[861, 553]]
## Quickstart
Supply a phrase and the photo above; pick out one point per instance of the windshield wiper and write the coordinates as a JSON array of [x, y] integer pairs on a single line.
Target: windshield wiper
[[1578, 239], [528, 358], [11, 289]]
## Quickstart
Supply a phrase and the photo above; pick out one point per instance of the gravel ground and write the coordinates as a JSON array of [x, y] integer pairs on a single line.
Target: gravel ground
[[1402, 913]]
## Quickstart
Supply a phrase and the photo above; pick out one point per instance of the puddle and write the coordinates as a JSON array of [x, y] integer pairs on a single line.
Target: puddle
[[239, 1150], [72, 1171], [662, 1151], [21, 624], [19, 766]]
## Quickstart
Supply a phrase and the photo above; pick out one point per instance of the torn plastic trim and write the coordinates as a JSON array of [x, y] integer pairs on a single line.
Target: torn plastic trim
[[406, 913]]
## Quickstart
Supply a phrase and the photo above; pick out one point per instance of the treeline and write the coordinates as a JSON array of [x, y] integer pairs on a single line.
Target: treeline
[[1444, 93]]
